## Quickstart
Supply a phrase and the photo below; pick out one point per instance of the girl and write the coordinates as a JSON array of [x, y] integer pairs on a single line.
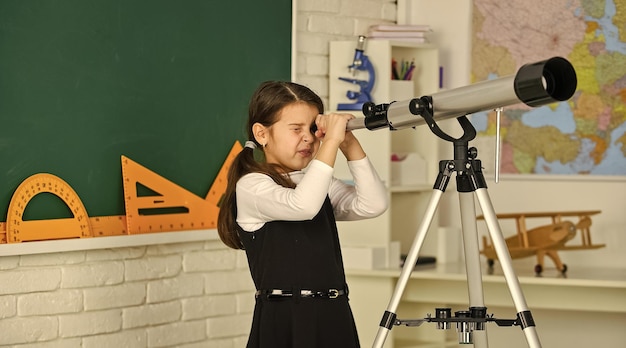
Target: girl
[[280, 206]]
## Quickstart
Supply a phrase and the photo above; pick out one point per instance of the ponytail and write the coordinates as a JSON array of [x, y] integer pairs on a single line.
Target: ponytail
[[243, 164], [226, 224]]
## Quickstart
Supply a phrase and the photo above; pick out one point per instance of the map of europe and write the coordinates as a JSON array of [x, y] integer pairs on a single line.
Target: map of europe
[[584, 135]]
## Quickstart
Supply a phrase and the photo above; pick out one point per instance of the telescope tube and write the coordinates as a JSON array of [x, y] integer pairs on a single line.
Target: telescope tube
[[534, 84]]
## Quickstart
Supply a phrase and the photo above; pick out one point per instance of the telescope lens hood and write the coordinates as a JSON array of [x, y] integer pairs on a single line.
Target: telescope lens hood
[[545, 82]]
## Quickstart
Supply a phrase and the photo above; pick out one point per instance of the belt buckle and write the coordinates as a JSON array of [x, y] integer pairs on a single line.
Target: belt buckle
[[333, 293], [276, 293]]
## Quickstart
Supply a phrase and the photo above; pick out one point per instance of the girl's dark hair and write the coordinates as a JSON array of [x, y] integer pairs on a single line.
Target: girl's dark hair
[[265, 105]]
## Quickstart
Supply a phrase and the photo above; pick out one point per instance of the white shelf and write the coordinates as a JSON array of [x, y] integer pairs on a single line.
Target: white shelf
[[447, 284], [63, 245], [576, 277]]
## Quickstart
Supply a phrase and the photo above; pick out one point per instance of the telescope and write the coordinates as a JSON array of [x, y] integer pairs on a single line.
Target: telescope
[[534, 84]]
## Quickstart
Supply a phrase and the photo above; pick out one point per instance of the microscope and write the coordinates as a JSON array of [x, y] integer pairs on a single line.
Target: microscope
[[360, 62]]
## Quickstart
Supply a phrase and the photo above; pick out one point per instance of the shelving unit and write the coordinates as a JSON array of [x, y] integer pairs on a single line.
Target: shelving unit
[[407, 203]]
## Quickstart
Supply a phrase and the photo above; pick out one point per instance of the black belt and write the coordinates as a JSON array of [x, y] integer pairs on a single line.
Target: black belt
[[277, 293]]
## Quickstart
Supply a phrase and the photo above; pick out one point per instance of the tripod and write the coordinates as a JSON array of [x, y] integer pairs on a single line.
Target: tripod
[[470, 324]]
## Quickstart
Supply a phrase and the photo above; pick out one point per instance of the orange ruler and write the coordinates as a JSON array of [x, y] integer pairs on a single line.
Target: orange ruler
[[19, 230], [3, 233], [171, 208], [102, 226]]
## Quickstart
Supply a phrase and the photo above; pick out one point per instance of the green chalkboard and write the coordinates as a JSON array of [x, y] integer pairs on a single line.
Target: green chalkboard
[[164, 82]]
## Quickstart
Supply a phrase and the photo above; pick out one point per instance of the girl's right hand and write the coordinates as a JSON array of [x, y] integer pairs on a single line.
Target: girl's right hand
[[332, 126]]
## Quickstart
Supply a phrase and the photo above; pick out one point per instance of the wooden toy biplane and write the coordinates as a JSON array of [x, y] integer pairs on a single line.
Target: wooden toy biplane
[[545, 239]]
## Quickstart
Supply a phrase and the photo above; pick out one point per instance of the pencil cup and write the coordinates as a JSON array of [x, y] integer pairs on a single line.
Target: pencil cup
[[402, 90]]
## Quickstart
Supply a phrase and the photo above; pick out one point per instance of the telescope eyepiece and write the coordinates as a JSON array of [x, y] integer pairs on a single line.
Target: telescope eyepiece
[[368, 109]]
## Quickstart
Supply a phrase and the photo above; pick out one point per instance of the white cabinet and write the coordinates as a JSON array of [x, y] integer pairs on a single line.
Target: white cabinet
[[370, 296], [407, 202]]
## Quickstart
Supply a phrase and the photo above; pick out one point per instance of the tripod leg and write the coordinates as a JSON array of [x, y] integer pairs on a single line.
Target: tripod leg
[[472, 262], [389, 317], [523, 313]]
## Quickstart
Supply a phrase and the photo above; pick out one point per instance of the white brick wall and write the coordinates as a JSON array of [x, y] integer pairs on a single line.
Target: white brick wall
[[188, 295], [183, 295]]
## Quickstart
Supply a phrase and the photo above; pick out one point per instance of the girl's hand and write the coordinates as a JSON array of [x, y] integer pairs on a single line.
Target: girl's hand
[[332, 127]]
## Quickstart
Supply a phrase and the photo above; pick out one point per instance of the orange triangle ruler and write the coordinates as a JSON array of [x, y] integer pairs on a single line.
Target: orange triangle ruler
[[171, 208]]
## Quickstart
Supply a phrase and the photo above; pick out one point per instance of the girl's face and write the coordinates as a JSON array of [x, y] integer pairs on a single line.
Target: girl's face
[[290, 141]]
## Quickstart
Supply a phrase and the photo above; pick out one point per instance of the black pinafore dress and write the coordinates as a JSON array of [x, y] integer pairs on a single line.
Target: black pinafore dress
[[294, 256]]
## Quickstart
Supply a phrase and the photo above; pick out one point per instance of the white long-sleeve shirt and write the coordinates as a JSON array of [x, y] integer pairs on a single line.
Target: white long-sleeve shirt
[[260, 199]]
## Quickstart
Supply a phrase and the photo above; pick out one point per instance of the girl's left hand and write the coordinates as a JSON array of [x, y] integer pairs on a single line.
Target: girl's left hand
[[332, 126]]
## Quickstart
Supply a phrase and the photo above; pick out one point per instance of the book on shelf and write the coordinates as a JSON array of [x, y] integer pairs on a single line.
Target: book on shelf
[[407, 33]]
